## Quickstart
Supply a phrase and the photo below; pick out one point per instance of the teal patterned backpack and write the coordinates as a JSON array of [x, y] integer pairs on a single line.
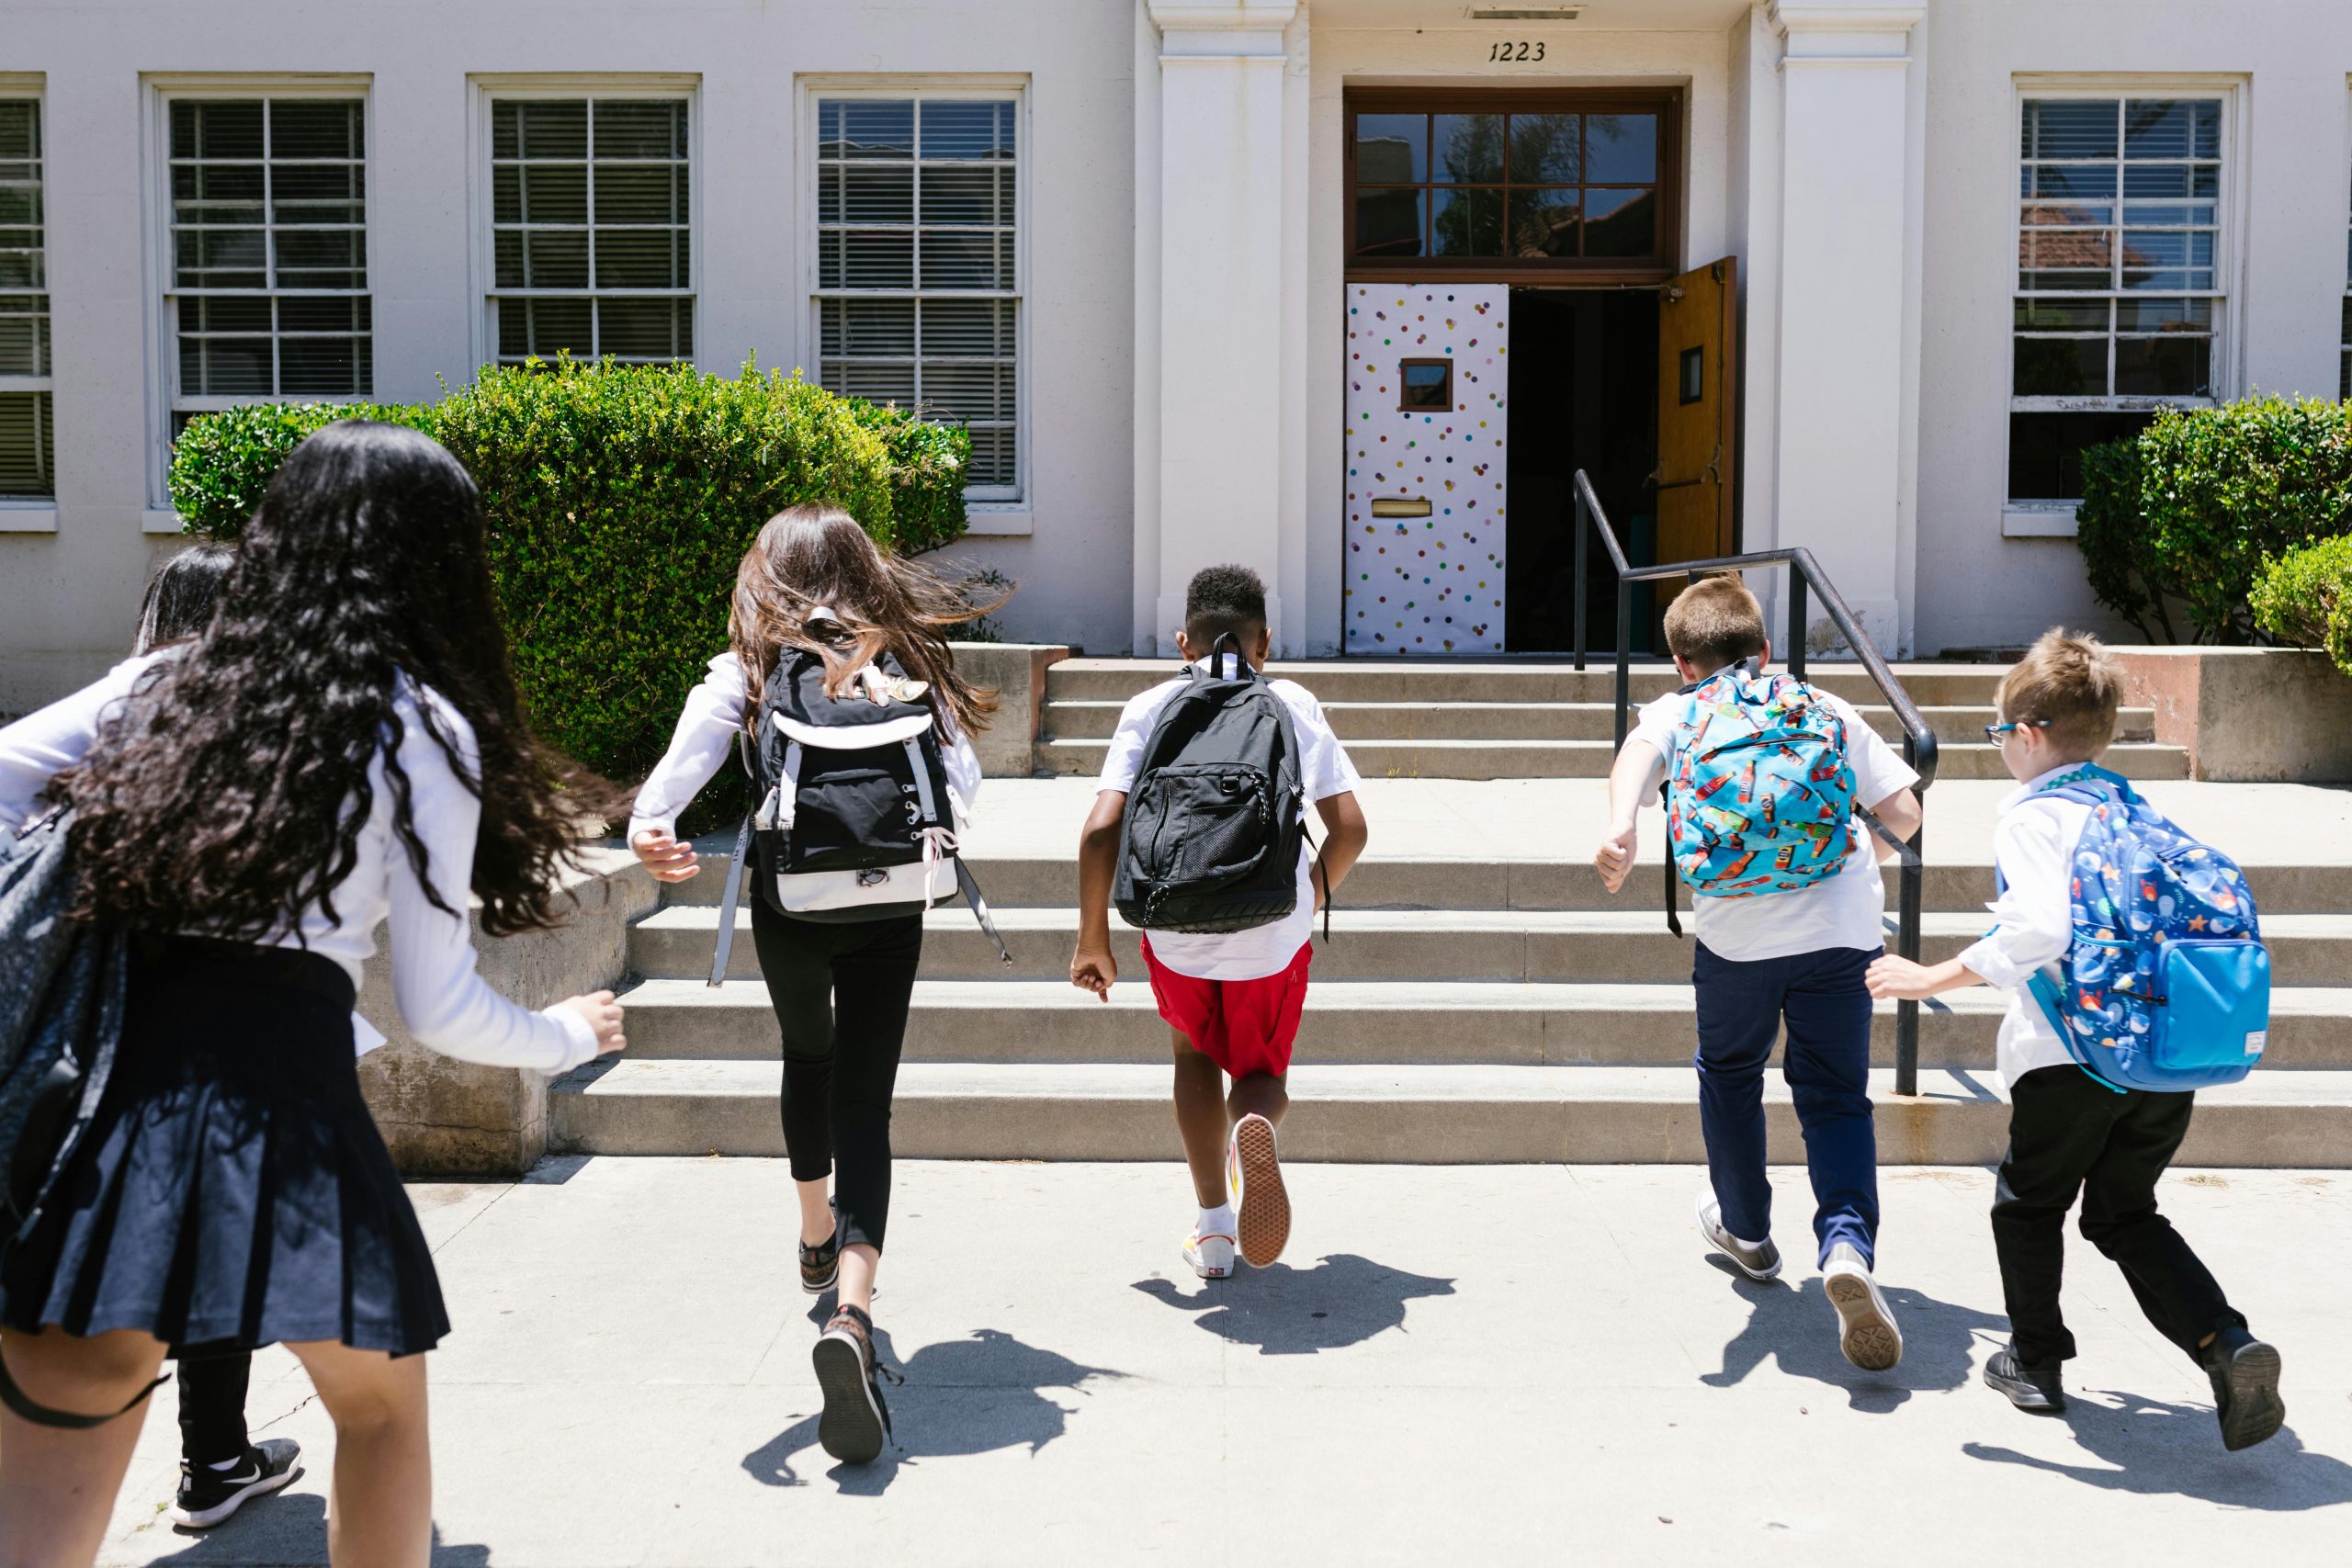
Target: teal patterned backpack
[[1761, 795]]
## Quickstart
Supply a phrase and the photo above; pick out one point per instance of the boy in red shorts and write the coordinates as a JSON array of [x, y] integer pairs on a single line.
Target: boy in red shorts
[[1232, 999]]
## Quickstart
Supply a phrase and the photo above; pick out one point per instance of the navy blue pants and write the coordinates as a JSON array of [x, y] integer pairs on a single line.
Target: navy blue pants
[[1741, 1009]]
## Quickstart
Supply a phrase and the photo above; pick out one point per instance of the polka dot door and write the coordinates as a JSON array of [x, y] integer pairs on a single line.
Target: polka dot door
[[1427, 387]]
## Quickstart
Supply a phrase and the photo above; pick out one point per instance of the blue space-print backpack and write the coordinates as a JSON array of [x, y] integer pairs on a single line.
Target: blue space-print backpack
[[1762, 796], [2167, 984]]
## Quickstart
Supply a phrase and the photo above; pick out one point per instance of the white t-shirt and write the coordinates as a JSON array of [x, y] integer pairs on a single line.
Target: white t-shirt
[[2033, 919], [1846, 909], [1324, 770]]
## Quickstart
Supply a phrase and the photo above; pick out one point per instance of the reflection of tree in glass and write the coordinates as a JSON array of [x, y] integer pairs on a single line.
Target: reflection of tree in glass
[[1469, 222]]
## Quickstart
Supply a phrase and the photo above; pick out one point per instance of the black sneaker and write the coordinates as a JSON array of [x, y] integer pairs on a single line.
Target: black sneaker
[[820, 1266], [2244, 1374], [854, 1423], [209, 1495], [2033, 1389]]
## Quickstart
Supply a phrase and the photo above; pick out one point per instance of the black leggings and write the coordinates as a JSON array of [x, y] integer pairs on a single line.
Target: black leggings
[[840, 993]]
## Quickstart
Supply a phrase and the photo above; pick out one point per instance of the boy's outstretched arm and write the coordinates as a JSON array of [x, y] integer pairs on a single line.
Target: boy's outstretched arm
[[1901, 815], [1345, 834], [1091, 967], [1893, 979], [1631, 781]]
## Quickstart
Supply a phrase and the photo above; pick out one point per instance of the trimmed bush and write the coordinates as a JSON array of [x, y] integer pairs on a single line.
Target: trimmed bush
[[2127, 575], [2305, 597], [620, 500]]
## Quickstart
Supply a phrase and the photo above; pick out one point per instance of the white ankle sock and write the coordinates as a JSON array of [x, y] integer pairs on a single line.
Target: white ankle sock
[[1217, 1220]]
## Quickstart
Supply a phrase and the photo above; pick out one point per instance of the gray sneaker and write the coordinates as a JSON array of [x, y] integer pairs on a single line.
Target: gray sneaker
[[1866, 1332], [1761, 1261]]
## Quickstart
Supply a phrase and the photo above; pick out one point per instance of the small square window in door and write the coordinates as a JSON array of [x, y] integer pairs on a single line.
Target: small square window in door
[[1425, 385], [1692, 377]]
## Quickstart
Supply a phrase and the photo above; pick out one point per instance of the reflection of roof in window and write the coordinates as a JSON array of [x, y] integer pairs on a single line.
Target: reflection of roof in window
[[1384, 160]]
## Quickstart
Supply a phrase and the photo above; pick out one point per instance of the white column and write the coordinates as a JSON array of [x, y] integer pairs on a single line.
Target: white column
[[1221, 223], [1847, 231]]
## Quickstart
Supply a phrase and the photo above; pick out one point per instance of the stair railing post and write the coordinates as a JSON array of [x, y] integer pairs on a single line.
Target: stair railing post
[[1583, 525], [1910, 890], [1794, 655], [1624, 657]]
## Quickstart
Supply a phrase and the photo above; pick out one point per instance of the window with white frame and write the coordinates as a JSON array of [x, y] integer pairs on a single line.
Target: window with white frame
[[27, 448], [918, 291], [2122, 293], [267, 295], [592, 241]]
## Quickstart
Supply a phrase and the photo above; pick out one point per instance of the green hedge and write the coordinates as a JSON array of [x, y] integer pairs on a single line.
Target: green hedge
[[620, 500], [2203, 498], [2305, 597]]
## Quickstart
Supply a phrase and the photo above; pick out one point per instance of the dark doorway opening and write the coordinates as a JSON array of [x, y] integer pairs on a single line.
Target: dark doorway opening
[[1583, 395]]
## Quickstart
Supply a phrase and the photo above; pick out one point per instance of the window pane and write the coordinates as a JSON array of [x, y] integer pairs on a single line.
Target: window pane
[[870, 326], [875, 381], [952, 260], [505, 128], [961, 390], [24, 334], [641, 128], [315, 128], [993, 459], [1469, 149], [2176, 127], [2045, 450], [1543, 149], [20, 130], [2141, 315], [1467, 223], [317, 193], [644, 329], [2064, 315], [640, 258], [2178, 365], [321, 258], [28, 446], [2070, 128], [1389, 223], [874, 195], [2060, 367], [1545, 223], [1619, 222], [318, 365], [974, 327], [642, 193], [225, 315], [554, 193], [868, 260], [862, 128], [555, 259], [1392, 149], [544, 326], [554, 127], [317, 313], [230, 129], [1621, 149], [966, 196], [966, 130], [2070, 182]]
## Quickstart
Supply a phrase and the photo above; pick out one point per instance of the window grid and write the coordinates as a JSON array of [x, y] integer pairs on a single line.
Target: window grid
[[918, 297], [591, 229], [1548, 186], [269, 292], [28, 442], [2119, 293]]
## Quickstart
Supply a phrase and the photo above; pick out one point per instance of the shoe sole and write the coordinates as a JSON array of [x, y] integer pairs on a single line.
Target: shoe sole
[[204, 1519], [2255, 1410], [1867, 1335], [1715, 1244], [850, 1428], [1264, 1218], [2025, 1396]]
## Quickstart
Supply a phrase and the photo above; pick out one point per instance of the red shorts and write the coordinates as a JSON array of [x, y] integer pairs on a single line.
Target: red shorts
[[1244, 1026]]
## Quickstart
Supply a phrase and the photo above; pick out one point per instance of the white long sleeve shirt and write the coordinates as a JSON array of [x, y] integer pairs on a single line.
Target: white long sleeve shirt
[[444, 1002], [705, 739], [2033, 921]]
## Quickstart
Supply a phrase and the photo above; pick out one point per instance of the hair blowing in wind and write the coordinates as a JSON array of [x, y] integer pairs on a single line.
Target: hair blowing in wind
[[228, 792], [816, 557]]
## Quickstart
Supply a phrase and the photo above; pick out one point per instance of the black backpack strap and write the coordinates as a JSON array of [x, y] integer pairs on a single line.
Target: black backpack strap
[[1318, 875], [25, 1407], [733, 896], [979, 906], [1242, 670]]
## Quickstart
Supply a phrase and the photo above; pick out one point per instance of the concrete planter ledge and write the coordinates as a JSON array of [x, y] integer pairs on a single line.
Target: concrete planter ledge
[[444, 1117], [2247, 715], [1017, 671]]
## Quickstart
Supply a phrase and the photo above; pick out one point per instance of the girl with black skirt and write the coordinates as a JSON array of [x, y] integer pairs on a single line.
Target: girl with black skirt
[[814, 580], [342, 744]]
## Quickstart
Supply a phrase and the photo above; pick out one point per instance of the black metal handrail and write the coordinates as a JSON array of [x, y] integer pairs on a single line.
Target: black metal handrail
[[1805, 574]]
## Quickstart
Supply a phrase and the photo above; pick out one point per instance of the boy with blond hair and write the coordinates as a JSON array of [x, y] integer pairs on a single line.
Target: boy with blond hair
[[1790, 958], [2072, 1133]]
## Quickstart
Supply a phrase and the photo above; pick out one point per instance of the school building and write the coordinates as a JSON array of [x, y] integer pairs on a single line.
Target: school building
[[1346, 290]]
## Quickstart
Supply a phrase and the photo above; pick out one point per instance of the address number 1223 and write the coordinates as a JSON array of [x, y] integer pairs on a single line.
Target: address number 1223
[[1523, 50]]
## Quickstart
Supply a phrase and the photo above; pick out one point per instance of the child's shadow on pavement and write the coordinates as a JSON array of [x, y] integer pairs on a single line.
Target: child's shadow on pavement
[[961, 1396], [1797, 1325], [1343, 1299], [2152, 1448], [290, 1529]]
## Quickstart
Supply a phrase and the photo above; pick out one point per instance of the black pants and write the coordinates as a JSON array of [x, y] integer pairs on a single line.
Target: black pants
[[212, 1403], [840, 993], [2070, 1133]]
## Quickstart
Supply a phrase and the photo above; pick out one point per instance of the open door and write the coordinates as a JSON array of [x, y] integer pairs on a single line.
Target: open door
[[1695, 416]]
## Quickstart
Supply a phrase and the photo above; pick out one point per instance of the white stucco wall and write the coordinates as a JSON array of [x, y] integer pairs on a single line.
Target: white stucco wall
[[67, 597], [2285, 183]]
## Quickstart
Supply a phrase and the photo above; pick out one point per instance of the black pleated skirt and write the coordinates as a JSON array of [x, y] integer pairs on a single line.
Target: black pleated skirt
[[232, 1189]]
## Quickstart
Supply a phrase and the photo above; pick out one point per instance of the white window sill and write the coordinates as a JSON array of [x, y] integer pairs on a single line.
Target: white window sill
[[1000, 520], [28, 519], [159, 520], [2051, 521]]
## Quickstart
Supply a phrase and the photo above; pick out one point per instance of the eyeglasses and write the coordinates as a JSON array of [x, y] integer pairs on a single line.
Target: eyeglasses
[[1993, 732]]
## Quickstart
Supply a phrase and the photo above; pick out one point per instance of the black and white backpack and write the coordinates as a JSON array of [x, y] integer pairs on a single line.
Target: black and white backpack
[[1214, 823], [853, 818]]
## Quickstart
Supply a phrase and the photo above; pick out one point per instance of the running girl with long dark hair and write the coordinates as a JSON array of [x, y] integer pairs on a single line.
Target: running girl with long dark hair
[[814, 582], [341, 743]]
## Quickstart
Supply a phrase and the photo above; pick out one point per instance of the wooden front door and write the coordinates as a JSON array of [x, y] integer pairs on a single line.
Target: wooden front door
[[1696, 423]]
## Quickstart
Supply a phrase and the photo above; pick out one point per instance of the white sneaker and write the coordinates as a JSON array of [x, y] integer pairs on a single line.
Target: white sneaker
[[1866, 1333], [1253, 1175], [1210, 1253], [1760, 1261]]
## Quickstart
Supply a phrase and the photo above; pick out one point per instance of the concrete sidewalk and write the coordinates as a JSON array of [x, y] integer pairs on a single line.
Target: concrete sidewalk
[[1489, 1364]]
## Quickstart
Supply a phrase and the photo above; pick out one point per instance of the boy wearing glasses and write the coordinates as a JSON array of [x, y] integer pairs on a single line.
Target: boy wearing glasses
[[2069, 1132]]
